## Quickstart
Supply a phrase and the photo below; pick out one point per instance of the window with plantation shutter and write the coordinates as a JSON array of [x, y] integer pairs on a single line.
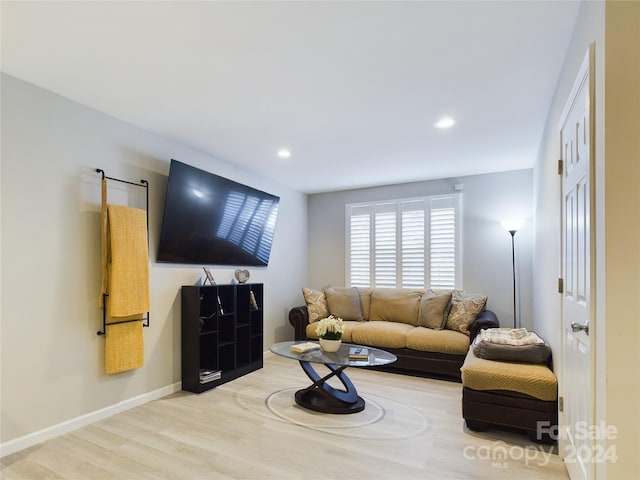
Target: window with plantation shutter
[[411, 243]]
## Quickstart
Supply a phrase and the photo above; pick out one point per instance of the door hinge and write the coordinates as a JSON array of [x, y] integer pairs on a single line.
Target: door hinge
[[561, 404], [559, 167], [560, 285]]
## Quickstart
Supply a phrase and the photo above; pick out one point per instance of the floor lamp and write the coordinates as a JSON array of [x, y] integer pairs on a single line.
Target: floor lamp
[[512, 226]]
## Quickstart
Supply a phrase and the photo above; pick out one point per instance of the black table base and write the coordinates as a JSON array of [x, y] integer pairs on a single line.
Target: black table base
[[322, 397]]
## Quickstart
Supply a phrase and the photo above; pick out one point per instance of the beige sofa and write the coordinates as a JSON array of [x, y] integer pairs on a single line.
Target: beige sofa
[[428, 331]]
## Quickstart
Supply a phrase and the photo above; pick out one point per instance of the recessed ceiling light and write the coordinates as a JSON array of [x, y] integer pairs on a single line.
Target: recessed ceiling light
[[284, 153], [445, 122]]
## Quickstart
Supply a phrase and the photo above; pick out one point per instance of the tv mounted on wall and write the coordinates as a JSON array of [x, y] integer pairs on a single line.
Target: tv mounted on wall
[[211, 220]]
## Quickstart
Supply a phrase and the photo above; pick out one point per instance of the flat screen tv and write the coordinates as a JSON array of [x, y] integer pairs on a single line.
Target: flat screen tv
[[211, 220]]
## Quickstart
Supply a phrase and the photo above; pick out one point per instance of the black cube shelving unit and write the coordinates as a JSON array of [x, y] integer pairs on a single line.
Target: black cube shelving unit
[[222, 330]]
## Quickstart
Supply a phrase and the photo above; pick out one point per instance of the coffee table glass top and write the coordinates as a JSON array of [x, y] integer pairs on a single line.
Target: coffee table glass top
[[376, 356]]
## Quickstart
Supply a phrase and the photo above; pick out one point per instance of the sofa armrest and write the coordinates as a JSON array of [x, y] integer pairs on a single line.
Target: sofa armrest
[[486, 319], [299, 319]]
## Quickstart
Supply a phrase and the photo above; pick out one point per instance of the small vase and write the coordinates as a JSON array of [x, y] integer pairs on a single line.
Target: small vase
[[330, 345]]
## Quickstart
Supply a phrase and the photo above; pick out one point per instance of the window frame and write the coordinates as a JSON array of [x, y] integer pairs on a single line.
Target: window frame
[[428, 201]]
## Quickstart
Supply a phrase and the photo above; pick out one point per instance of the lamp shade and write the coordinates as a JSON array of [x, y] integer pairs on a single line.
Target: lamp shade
[[512, 225]]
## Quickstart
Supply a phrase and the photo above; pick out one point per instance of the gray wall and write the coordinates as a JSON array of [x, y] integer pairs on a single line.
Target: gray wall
[[486, 246], [52, 360]]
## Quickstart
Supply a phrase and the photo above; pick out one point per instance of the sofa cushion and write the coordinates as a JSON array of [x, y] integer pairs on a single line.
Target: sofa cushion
[[395, 305], [440, 341], [348, 325], [365, 301], [464, 310], [432, 309], [316, 304], [381, 334], [535, 380], [344, 302]]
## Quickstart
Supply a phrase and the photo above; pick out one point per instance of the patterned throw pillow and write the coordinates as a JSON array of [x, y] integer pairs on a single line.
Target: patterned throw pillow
[[316, 304], [464, 310], [432, 309]]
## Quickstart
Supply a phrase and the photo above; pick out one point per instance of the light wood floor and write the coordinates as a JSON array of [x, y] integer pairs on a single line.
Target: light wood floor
[[250, 428]]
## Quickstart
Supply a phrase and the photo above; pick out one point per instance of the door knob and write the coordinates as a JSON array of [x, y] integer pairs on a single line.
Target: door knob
[[576, 327]]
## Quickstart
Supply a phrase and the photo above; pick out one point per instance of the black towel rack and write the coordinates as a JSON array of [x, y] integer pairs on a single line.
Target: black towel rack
[[145, 320], [144, 184]]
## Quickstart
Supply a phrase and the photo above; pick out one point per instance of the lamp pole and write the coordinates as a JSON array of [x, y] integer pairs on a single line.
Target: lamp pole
[[512, 226], [513, 266]]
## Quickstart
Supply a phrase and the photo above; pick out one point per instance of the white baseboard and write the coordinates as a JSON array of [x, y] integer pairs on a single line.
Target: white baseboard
[[34, 438]]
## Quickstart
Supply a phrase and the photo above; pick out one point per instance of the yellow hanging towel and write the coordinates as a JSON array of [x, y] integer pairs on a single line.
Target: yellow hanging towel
[[124, 347], [127, 285]]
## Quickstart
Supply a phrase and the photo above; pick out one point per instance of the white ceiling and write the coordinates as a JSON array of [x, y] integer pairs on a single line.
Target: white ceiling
[[351, 88]]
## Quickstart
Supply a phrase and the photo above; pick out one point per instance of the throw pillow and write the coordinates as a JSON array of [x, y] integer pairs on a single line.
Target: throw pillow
[[395, 305], [316, 304], [432, 309], [464, 310], [344, 302], [365, 297]]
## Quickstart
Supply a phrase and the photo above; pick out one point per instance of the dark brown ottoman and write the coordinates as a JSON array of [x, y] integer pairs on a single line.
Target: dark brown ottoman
[[511, 395]]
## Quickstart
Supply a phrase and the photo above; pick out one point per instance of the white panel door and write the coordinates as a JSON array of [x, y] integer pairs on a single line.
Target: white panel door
[[576, 378]]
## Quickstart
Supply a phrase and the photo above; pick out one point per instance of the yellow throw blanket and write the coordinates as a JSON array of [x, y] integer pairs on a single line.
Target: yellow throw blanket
[[127, 284], [129, 262], [124, 347]]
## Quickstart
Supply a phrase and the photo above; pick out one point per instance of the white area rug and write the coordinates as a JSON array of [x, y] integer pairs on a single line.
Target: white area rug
[[382, 419]]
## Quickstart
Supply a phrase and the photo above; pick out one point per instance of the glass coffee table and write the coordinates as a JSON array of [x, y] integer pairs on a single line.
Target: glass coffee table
[[322, 397]]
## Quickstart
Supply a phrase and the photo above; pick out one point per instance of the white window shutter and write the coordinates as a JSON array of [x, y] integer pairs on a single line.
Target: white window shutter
[[411, 243], [442, 243], [385, 245], [359, 256]]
